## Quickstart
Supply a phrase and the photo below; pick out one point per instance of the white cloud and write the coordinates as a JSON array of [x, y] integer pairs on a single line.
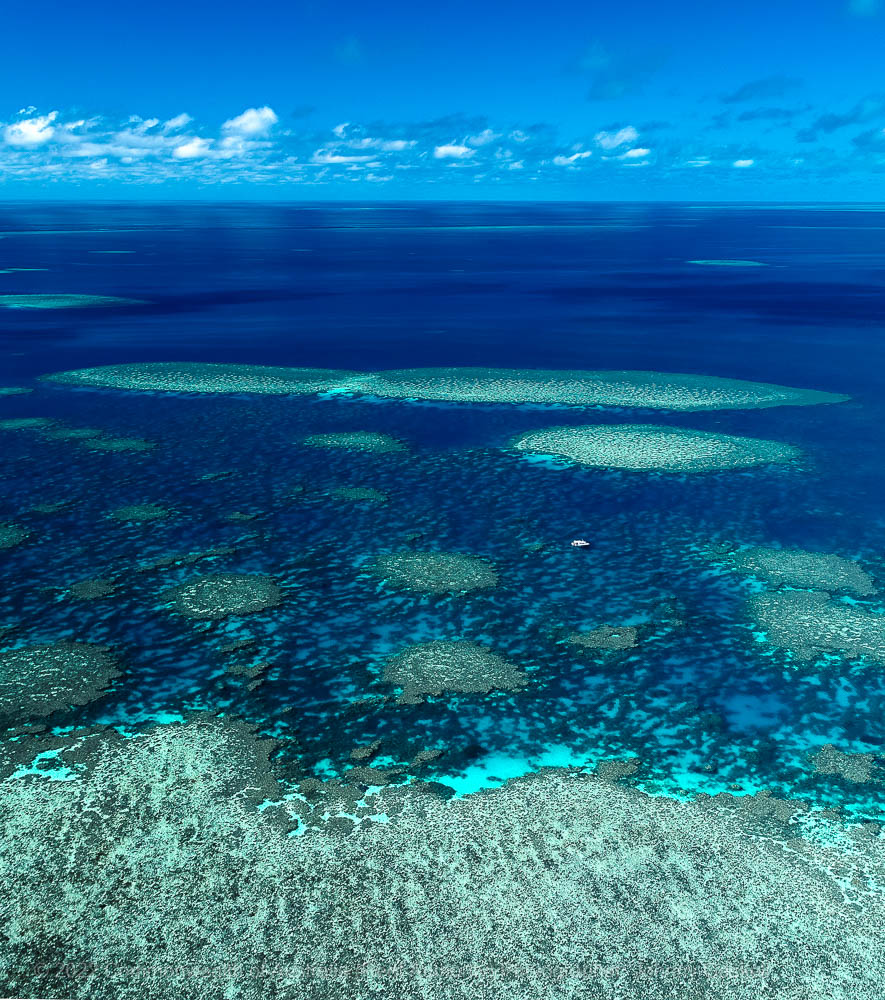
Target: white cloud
[[179, 121], [452, 152], [698, 162], [617, 137], [385, 145], [743, 164], [638, 153], [483, 138], [31, 132], [253, 122], [192, 149], [565, 161], [326, 156]]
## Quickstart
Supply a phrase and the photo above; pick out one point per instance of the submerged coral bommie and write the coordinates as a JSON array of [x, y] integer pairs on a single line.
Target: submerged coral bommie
[[643, 389], [809, 624], [117, 444], [371, 441], [38, 680], [798, 568], [140, 512], [606, 637], [359, 494], [450, 665], [435, 572], [652, 448], [11, 535], [171, 376], [221, 594], [66, 301], [61, 433], [25, 423]]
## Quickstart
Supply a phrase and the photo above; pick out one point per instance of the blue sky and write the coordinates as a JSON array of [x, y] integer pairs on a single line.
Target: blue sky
[[628, 99]]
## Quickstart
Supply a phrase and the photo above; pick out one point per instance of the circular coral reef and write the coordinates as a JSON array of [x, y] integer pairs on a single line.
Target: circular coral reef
[[799, 568], [654, 390], [450, 665], [203, 378], [435, 572], [606, 637], [648, 447], [65, 301], [12, 534], [371, 441], [809, 624], [221, 594], [38, 680]]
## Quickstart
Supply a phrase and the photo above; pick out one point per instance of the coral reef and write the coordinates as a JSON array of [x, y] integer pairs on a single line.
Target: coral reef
[[359, 494], [173, 376], [140, 512], [152, 872], [728, 263], [38, 680], [450, 665], [371, 441], [798, 568], [221, 594], [810, 623], [648, 447], [65, 301], [25, 423], [14, 390], [11, 535], [435, 572], [858, 768], [606, 637], [117, 444], [654, 390]]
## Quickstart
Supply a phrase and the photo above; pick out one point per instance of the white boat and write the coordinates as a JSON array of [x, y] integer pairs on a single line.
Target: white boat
[[580, 543]]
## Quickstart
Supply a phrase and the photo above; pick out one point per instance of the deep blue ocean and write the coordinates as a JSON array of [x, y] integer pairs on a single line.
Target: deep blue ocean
[[703, 703]]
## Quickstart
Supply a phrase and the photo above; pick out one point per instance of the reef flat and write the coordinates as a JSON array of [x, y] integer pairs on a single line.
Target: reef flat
[[624, 389], [221, 594], [642, 389], [370, 441], [435, 572], [648, 447], [810, 624], [450, 665], [203, 378], [799, 568], [39, 680], [556, 885], [66, 301]]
